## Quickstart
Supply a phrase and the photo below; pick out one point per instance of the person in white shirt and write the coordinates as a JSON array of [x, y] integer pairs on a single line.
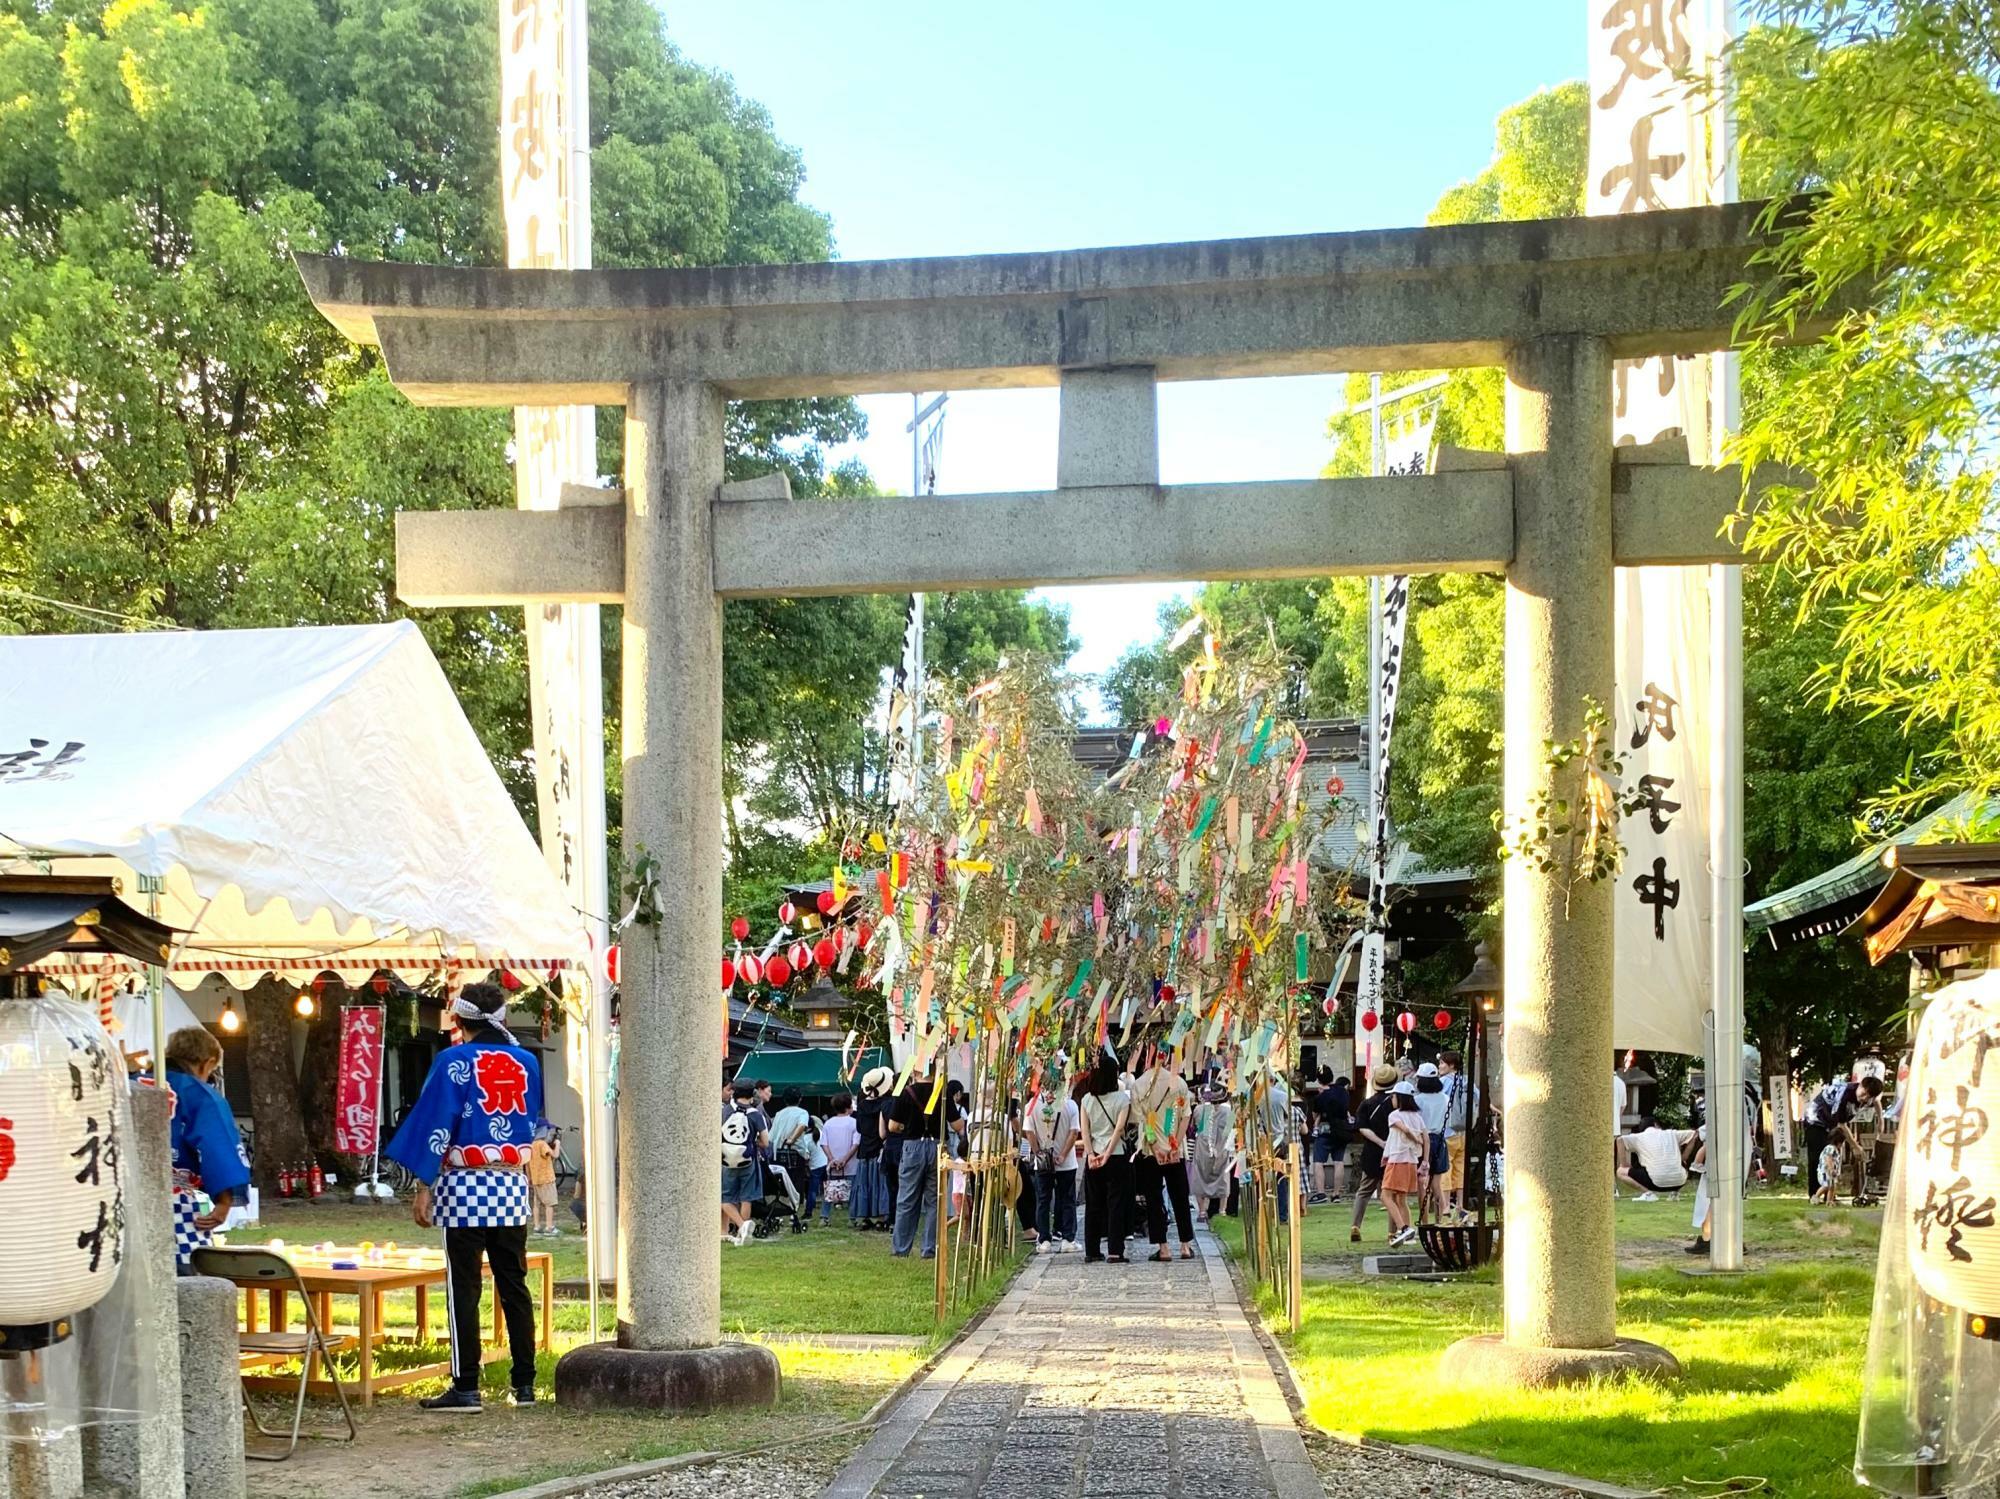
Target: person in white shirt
[[1107, 1180], [1160, 1108], [1049, 1133], [840, 1139], [1650, 1159]]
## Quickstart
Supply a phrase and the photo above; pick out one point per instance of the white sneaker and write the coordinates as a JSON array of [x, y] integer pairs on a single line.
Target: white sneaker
[[1041, 1246], [1063, 1246], [745, 1234], [1647, 1197]]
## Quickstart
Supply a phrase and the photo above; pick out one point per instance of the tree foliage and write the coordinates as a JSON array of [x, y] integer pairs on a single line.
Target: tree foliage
[[1809, 765], [1890, 113]]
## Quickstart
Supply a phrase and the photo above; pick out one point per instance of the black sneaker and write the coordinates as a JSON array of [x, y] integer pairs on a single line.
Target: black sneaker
[[521, 1395], [453, 1400]]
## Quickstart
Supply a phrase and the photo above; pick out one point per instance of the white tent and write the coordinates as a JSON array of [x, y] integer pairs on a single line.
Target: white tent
[[308, 800]]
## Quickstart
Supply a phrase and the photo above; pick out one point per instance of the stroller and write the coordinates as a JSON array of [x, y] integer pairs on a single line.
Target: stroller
[[783, 1175]]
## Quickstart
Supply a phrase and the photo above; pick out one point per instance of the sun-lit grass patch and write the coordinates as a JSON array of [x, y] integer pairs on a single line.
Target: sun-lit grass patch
[[1772, 1357]]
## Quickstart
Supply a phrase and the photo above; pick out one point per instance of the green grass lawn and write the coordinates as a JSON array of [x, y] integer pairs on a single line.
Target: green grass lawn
[[1771, 1357], [829, 1281]]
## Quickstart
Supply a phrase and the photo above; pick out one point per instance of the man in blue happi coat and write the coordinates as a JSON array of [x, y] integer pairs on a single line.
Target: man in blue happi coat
[[466, 1141], [207, 1150]]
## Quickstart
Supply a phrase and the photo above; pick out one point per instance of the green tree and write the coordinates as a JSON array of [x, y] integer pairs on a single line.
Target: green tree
[[1805, 771], [1890, 112], [183, 440]]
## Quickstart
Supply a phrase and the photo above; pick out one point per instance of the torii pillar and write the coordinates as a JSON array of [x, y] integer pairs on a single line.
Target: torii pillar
[[1553, 302]]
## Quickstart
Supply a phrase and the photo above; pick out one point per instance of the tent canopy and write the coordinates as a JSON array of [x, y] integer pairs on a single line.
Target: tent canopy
[[306, 799], [816, 1069]]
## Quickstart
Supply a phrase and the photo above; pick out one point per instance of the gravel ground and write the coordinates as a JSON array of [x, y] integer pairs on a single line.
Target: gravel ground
[[1345, 1469], [793, 1473]]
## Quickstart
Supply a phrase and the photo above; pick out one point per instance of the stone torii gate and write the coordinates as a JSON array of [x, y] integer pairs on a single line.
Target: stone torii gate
[[1552, 302]]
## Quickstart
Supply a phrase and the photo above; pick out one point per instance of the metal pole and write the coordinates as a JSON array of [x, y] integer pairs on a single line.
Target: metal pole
[[156, 983], [916, 610], [599, 1126], [1725, 717]]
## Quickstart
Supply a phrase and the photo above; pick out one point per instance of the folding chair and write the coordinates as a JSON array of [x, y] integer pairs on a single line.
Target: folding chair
[[261, 1269]]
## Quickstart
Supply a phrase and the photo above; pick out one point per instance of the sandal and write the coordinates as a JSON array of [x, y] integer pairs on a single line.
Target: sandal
[[1114, 1259], [1159, 1256], [1354, 1236], [1187, 1251]]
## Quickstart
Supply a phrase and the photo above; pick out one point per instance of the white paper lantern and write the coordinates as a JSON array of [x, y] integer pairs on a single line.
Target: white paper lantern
[[1950, 1133], [65, 1123]]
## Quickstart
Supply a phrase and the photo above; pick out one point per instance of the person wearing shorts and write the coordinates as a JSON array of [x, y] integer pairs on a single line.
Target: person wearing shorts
[[745, 1132], [1460, 1101], [542, 1186]]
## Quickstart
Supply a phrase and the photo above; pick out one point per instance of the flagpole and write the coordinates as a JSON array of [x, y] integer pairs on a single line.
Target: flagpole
[[599, 1113], [1726, 865]]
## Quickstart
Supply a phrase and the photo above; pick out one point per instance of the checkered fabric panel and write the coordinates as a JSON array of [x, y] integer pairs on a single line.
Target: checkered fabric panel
[[187, 1238], [487, 1197]]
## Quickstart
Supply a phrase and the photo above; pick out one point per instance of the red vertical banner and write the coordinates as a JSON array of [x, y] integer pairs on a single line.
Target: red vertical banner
[[356, 1126]]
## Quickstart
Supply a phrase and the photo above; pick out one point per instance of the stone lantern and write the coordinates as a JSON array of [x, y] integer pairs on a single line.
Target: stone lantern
[[825, 1010]]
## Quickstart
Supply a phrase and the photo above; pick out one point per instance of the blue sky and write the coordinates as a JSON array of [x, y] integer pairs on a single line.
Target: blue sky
[[1005, 125]]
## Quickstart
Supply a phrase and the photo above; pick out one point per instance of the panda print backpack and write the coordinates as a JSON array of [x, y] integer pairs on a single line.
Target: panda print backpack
[[736, 1137]]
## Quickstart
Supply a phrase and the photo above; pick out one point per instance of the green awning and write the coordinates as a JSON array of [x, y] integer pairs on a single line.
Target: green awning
[[816, 1069], [1862, 875]]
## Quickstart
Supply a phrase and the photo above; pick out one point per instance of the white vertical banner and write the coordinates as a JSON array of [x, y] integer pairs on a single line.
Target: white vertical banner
[[545, 205], [1406, 450], [1649, 150]]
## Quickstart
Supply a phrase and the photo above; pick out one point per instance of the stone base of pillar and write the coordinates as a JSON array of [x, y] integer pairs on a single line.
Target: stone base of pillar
[[1493, 1362], [605, 1376], [211, 1388]]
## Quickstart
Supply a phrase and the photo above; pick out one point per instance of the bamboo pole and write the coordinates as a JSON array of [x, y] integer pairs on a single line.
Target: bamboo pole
[[1295, 1280]]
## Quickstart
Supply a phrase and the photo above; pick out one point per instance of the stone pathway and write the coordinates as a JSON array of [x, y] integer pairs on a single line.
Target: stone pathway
[[1137, 1381]]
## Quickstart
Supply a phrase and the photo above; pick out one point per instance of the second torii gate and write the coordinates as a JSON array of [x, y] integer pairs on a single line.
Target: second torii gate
[[1552, 302]]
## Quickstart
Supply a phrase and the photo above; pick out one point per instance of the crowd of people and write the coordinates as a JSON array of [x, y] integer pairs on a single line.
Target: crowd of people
[[1123, 1149]]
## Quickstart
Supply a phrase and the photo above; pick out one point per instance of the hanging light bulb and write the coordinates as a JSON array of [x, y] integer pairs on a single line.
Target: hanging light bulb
[[304, 1004], [230, 1021]]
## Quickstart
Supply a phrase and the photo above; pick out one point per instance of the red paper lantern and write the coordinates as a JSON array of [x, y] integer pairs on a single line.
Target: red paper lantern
[[826, 903], [750, 969], [778, 971], [1369, 1020], [612, 966], [1406, 1022], [864, 935], [824, 953], [1442, 1020], [787, 914], [801, 957], [509, 980], [379, 983], [728, 975], [740, 928]]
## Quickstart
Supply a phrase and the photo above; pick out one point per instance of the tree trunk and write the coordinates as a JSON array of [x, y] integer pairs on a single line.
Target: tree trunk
[[274, 1083], [319, 1080]]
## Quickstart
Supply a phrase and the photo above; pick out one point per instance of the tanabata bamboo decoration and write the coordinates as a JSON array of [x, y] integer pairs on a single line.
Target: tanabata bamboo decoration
[[1031, 916]]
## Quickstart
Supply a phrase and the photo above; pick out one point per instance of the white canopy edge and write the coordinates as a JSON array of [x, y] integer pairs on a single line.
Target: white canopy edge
[[261, 774]]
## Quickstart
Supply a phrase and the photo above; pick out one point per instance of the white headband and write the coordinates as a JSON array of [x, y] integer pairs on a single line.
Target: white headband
[[465, 1009]]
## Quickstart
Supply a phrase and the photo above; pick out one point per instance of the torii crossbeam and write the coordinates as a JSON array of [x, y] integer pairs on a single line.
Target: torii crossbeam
[[1552, 302]]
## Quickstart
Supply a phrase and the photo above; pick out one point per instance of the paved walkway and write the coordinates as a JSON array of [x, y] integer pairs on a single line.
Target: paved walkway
[[1137, 1381]]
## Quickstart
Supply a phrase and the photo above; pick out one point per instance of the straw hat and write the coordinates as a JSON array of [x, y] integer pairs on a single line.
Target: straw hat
[[875, 1081], [1384, 1075]]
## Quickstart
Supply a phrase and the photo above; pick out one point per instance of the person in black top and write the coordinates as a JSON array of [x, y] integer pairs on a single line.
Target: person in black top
[[872, 1207], [1371, 1122], [1333, 1132], [1830, 1116], [916, 1121]]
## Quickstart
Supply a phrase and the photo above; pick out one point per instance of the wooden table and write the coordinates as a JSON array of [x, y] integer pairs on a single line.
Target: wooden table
[[406, 1270]]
